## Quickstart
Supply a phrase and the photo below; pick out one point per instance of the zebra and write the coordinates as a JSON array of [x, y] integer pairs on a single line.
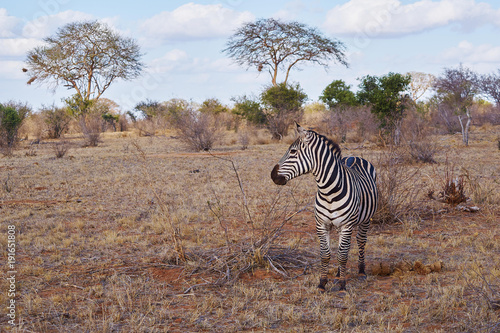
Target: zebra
[[346, 197]]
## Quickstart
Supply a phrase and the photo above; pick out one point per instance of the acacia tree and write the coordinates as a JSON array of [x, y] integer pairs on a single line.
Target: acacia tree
[[276, 45], [388, 98], [85, 56], [456, 88]]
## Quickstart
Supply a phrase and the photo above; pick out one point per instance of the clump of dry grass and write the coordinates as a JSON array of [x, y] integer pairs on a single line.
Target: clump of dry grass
[[423, 151], [60, 148]]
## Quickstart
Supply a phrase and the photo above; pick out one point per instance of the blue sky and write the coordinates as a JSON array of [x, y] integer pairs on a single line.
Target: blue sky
[[182, 42]]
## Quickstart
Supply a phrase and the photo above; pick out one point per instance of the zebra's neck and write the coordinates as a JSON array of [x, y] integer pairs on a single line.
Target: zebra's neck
[[327, 167]]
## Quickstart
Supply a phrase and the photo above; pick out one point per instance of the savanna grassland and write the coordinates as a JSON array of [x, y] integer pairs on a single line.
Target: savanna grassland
[[141, 235]]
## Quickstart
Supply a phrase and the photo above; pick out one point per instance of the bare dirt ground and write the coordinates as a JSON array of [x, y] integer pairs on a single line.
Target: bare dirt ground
[[139, 235]]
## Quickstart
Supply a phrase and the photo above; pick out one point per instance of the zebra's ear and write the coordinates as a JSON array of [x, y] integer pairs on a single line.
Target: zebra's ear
[[300, 131]]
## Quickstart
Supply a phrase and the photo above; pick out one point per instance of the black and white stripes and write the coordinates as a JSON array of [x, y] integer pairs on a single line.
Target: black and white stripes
[[346, 197]]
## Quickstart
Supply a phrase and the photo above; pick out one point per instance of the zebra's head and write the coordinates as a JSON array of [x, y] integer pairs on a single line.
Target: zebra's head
[[296, 161]]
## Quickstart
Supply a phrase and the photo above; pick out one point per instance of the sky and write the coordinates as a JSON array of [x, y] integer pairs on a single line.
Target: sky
[[182, 43]]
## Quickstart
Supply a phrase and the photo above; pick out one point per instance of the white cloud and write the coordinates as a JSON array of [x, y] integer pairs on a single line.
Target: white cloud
[[8, 24], [195, 21], [172, 60], [17, 46], [468, 53], [380, 18], [44, 26]]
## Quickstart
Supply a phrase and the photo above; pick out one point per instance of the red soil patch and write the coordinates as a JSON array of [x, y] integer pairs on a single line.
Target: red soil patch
[[168, 275], [260, 274]]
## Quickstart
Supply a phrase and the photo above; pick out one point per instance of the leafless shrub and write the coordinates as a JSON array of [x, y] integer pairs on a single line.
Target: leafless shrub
[[423, 151], [60, 148], [398, 188], [92, 127], [199, 131], [244, 138]]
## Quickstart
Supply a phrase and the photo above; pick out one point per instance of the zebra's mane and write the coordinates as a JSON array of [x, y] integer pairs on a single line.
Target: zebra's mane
[[334, 147]]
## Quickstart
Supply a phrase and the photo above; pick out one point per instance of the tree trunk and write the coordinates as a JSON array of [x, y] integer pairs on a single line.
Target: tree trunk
[[397, 133], [462, 127], [466, 127]]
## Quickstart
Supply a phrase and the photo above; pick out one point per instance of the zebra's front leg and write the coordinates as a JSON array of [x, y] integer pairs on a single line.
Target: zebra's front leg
[[343, 254], [324, 249]]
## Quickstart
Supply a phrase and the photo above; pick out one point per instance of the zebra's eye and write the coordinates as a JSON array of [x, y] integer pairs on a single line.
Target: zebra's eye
[[293, 151]]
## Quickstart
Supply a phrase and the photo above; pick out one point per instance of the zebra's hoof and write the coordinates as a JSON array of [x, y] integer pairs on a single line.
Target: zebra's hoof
[[362, 277], [342, 285], [322, 284]]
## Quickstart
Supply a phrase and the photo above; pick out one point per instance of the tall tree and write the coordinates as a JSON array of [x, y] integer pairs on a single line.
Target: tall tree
[[456, 88], [276, 45], [388, 98], [85, 56]]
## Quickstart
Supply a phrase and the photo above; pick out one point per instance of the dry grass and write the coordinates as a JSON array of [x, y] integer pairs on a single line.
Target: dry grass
[[98, 231]]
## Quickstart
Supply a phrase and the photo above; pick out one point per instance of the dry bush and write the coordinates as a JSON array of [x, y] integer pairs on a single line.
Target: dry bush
[[60, 148], [261, 247], [199, 131], [366, 124], [398, 188], [92, 126], [423, 151]]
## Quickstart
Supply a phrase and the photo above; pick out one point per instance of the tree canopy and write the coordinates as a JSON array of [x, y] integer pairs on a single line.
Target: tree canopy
[[338, 94], [283, 105], [85, 56], [276, 45], [456, 88], [387, 96]]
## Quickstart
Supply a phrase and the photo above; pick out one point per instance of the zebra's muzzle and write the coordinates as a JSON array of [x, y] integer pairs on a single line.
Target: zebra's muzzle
[[277, 179]]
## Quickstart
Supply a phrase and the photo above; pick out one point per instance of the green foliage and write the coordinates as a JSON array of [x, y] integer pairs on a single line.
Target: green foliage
[[250, 110], [111, 119], [10, 121], [150, 109], [212, 106], [77, 106], [283, 98], [283, 105], [338, 95], [387, 97]]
